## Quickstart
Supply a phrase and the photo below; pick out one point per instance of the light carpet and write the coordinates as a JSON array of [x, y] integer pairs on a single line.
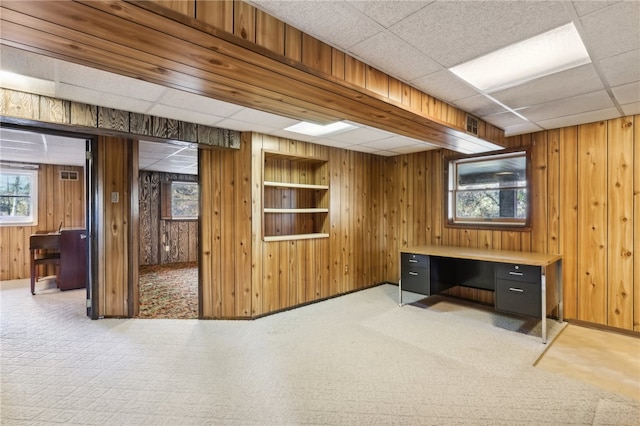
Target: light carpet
[[355, 359]]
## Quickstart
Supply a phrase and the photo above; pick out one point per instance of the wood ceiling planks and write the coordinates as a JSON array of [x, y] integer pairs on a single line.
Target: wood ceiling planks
[[137, 40]]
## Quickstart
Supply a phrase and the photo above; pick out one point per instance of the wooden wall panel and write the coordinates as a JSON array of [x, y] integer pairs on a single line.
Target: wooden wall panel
[[620, 223], [58, 201], [113, 236], [186, 7], [269, 32], [636, 221], [569, 218], [244, 21], [156, 233], [226, 232], [592, 222], [316, 54], [216, 13]]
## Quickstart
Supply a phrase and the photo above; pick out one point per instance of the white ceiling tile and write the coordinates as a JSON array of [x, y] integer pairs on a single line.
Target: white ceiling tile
[[409, 149], [360, 135], [584, 7], [627, 93], [631, 109], [26, 63], [338, 23], [367, 149], [387, 13], [178, 113], [613, 30], [519, 129], [578, 104], [390, 143], [557, 86], [622, 68], [263, 119], [103, 99], [504, 120], [444, 85], [587, 117], [200, 104], [395, 57], [461, 30], [479, 106], [102, 81]]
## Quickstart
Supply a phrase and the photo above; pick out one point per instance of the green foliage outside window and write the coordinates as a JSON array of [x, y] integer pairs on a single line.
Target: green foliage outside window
[[18, 196]]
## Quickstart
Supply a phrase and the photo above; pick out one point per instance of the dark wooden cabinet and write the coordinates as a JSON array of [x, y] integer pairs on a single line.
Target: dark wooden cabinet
[[73, 259]]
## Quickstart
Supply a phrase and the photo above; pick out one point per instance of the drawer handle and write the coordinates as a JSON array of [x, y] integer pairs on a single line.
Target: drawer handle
[[517, 290], [413, 261], [516, 273], [413, 273]]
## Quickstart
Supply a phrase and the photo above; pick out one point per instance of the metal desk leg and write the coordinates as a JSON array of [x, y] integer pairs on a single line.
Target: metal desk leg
[[543, 295], [400, 293]]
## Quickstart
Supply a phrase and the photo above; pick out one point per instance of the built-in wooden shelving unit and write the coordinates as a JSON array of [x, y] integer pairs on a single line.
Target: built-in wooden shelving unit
[[295, 197]]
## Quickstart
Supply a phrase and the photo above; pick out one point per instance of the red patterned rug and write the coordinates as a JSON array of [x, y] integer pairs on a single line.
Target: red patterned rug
[[169, 291]]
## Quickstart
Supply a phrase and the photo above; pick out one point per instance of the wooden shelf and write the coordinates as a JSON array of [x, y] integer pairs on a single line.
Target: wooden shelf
[[295, 237], [295, 197], [310, 210], [286, 185]]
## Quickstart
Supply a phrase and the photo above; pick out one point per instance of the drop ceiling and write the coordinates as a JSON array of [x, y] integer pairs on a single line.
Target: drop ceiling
[[414, 41]]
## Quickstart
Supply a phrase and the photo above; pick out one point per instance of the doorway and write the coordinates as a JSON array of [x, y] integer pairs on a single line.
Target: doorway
[[168, 231], [50, 176]]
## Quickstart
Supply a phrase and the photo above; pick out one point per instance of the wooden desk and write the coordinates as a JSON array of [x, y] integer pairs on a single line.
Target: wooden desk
[[518, 279], [70, 245]]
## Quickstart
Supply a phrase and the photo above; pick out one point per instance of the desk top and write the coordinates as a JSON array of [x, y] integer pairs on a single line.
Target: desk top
[[502, 256]]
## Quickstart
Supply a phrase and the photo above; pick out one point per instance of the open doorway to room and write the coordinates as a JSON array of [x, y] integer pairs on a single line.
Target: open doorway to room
[[168, 224], [44, 212]]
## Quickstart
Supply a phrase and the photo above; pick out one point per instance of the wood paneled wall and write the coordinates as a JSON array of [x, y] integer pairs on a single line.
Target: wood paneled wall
[[180, 235], [117, 247], [290, 273], [586, 192], [58, 201], [226, 239]]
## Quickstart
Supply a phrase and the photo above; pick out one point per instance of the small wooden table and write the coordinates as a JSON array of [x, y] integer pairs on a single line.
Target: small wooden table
[[518, 279]]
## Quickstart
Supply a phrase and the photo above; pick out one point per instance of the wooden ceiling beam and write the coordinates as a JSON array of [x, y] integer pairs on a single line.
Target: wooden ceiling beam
[[137, 40]]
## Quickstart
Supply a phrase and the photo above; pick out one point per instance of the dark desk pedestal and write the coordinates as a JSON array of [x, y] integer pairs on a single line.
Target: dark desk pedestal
[[73, 259]]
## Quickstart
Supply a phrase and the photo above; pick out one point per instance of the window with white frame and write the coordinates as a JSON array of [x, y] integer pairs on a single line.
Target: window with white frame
[[18, 197], [490, 189]]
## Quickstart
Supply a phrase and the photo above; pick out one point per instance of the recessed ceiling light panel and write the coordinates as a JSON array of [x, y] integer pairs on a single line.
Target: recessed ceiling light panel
[[548, 53], [311, 129]]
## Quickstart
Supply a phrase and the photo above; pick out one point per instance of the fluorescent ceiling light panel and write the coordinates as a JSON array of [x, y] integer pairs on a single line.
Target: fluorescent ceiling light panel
[[548, 53], [23, 83], [311, 129]]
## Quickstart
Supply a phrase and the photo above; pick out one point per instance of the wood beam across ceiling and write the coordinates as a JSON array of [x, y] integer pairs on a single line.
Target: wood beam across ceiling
[[140, 40]]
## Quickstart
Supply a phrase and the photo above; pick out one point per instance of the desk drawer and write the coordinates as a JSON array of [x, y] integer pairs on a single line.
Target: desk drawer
[[411, 260], [416, 280], [518, 297], [520, 273]]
